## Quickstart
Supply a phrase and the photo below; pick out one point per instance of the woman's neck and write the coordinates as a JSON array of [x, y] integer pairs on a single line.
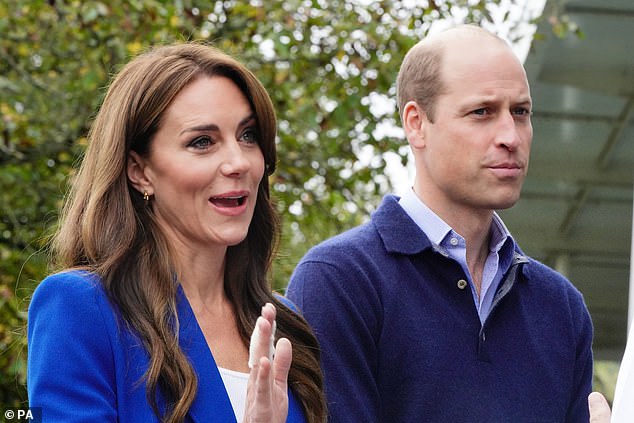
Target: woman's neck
[[202, 275]]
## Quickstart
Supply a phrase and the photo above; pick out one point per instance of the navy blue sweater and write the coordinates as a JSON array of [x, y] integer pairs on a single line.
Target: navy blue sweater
[[402, 341]]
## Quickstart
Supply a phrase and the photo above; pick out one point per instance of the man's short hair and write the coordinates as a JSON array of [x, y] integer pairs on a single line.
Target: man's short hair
[[420, 76]]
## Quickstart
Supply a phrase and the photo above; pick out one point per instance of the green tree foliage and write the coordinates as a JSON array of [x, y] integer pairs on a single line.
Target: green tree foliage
[[325, 63]]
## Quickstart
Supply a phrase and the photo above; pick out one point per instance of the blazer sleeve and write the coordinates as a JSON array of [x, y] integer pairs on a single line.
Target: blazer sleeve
[[71, 369]]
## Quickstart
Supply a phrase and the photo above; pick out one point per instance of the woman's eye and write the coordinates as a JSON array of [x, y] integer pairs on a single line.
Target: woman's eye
[[200, 142], [250, 136]]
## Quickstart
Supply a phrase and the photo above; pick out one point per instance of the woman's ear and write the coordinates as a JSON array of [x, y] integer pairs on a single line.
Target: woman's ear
[[136, 174], [414, 121]]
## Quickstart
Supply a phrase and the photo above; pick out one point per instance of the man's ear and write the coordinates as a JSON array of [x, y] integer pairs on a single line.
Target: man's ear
[[414, 121], [136, 174]]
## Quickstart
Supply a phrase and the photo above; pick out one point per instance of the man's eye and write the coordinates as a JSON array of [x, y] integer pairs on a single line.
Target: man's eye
[[480, 112], [522, 111], [200, 142]]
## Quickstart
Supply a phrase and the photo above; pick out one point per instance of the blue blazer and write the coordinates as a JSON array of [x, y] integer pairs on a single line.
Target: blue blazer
[[85, 365]]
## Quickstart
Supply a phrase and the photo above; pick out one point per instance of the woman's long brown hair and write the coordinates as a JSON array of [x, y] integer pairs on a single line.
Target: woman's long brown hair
[[107, 228]]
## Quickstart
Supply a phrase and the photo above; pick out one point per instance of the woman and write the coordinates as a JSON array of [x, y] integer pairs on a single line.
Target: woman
[[164, 246]]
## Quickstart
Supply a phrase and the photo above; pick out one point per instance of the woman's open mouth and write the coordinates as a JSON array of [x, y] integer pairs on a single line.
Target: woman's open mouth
[[229, 201]]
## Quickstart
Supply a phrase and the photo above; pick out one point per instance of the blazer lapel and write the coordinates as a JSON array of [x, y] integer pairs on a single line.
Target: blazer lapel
[[212, 402]]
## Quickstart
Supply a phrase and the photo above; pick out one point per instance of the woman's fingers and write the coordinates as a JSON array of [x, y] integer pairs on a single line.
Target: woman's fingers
[[267, 394], [282, 362], [269, 312], [259, 394], [263, 391], [261, 343]]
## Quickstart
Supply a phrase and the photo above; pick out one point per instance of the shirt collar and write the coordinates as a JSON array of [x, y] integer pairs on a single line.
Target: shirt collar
[[433, 226], [499, 235], [437, 229]]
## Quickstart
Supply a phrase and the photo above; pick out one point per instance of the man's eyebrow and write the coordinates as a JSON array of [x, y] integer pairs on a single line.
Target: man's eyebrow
[[496, 98]]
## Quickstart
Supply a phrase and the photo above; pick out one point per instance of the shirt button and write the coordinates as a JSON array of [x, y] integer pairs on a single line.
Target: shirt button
[[462, 284], [453, 241]]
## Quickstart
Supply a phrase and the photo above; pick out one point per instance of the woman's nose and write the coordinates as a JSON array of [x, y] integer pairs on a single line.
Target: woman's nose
[[234, 162]]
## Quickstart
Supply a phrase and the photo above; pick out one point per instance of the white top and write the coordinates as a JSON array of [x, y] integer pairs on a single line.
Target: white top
[[623, 407], [236, 386]]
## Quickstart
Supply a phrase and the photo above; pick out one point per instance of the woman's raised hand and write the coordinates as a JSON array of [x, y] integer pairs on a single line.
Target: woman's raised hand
[[267, 391]]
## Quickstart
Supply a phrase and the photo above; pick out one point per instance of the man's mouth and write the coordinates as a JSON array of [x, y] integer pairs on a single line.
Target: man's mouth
[[230, 201]]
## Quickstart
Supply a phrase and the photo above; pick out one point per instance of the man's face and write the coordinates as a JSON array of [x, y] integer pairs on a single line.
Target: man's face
[[476, 150]]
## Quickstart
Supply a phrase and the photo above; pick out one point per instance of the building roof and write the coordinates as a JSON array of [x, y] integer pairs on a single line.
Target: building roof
[[575, 212]]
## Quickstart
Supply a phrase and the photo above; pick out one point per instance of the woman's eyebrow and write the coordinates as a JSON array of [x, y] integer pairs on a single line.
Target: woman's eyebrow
[[212, 127], [200, 128]]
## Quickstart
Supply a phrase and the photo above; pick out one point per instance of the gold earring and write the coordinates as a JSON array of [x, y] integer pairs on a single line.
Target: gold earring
[[146, 196]]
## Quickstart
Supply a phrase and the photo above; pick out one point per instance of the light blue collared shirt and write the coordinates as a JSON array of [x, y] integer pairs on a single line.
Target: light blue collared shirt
[[451, 244]]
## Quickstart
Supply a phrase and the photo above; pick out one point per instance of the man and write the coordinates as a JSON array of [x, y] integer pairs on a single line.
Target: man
[[430, 312]]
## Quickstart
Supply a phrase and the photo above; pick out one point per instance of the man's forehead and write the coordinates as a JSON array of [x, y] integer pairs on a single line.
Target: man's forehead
[[463, 33]]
